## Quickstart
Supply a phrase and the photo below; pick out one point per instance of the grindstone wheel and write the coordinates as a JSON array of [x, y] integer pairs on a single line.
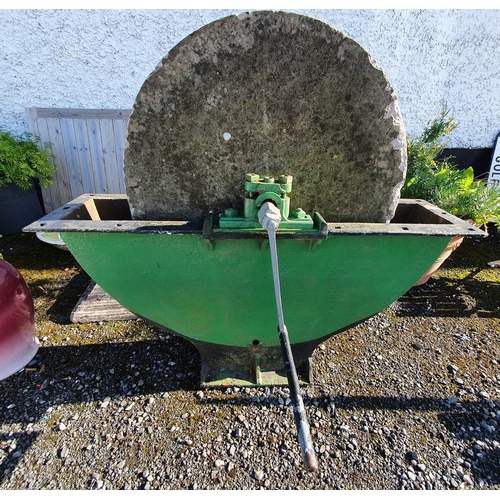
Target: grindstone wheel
[[273, 93]]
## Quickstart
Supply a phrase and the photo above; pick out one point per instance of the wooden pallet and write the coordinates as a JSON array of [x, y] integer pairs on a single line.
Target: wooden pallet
[[96, 305]]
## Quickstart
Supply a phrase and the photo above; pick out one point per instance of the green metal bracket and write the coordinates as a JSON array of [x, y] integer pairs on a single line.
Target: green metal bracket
[[254, 366], [297, 225], [259, 190], [316, 232]]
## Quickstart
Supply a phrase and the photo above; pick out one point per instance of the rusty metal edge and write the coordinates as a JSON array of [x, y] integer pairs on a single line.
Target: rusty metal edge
[[60, 220]]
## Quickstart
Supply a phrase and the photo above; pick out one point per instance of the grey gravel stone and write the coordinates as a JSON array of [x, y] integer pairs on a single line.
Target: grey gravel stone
[[259, 474], [400, 422]]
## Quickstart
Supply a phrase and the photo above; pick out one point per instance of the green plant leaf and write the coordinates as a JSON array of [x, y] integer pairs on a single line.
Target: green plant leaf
[[467, 177], [440, 181], [24, 158]]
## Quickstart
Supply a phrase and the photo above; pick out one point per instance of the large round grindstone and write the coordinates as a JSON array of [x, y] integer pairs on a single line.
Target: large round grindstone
[[271, 93]]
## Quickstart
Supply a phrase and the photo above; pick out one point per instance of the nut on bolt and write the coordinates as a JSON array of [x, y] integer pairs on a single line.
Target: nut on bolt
[[231, 212], [252, 177], [298, 213], [285, 179]]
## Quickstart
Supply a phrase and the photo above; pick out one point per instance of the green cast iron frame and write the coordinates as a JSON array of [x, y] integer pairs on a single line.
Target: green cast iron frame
[[214, 287]]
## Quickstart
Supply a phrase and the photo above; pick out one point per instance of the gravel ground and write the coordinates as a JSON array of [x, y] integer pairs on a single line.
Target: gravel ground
[[407, 400]]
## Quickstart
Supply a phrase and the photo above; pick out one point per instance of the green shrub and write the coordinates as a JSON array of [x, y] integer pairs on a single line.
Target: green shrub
[[442, 183], [24, 158]]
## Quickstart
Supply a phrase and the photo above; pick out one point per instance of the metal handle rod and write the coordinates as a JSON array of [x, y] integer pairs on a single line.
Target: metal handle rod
[[271, 232], [299, 412], [270, 221]]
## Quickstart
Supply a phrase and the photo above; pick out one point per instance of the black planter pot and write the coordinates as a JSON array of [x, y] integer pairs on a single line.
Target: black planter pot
[[18, 208]]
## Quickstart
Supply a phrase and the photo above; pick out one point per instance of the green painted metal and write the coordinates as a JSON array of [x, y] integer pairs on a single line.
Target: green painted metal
[[258, 190], [294, 223], [225, 295], [214, 286]]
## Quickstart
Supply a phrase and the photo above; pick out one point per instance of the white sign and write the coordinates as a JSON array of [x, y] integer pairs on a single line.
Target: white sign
[[494, 176]]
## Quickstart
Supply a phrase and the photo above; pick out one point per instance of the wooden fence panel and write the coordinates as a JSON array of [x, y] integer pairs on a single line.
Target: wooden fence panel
[[82, 145], [88, 144], [95, 142]]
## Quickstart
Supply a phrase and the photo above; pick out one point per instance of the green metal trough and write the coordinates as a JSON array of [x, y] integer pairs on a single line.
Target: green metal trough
[[214, 287]]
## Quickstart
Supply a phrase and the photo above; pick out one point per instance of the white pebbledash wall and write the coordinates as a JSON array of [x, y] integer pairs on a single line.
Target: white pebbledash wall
[[97, 59]]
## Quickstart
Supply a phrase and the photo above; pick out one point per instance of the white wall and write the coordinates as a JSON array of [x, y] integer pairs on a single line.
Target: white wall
[[100, 58]]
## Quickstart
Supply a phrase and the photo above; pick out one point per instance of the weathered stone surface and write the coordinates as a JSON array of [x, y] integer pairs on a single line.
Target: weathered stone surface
[[272, 93]]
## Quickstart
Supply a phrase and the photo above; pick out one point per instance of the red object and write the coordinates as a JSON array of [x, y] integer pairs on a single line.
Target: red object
[[18, 344], [452, 246]]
